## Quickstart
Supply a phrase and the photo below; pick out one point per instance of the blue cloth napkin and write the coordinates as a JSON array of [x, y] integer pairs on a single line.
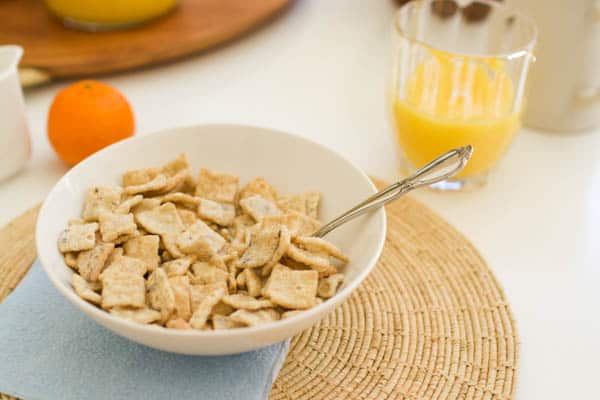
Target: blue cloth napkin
[[50, 350]]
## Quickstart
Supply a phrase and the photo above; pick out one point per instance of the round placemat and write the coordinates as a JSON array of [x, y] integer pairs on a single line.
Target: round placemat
[[430, 322]]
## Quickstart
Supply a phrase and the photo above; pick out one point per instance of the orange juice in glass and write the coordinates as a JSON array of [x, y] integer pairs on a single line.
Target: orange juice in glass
[[458, 78]]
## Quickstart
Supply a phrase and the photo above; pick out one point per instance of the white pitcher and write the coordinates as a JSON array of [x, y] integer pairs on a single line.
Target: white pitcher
[[564, 90], [14, 133]]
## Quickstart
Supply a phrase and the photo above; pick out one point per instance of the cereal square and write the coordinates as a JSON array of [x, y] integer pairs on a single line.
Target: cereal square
[[144, 248], [141, 316], [328, 285], [292, 289], [123, 289], [258, 207], [255, 318], [90, 263], [84, 290], [113, 225], [267, 246], [77, 238], [181, 293], [205, 272], [163, 220], [160, 293], [220, 213], [217, 186], [99, 200], [259, 186], [200, 240]]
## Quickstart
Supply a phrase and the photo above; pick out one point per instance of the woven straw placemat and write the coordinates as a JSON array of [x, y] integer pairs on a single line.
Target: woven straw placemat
[[430, 322]]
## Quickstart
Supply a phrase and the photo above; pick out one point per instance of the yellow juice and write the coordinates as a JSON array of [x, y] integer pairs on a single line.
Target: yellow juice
[[110, 11], [449, 104]]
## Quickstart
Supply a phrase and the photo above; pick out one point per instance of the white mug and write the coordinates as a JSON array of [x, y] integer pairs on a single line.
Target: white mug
[[564, 91], [14, 133]]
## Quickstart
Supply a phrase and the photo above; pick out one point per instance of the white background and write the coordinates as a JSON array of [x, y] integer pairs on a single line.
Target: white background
[[320, 70]]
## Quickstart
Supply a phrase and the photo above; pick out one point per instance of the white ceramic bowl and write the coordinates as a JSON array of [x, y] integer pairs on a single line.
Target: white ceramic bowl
[[291, 163]]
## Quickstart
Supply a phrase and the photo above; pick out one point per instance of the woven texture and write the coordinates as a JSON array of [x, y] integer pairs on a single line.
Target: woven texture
[[430, 322]]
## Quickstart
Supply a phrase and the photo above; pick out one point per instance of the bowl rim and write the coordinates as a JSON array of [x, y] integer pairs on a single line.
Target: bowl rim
[[310, 313]]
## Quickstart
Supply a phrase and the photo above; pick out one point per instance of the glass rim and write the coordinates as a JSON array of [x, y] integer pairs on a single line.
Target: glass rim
[[518, 51]]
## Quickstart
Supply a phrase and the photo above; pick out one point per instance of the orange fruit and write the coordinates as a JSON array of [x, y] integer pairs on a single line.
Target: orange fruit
[[86, 117]]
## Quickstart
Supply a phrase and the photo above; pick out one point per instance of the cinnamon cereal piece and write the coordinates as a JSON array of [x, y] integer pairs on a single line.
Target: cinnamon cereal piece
[[144, 248], [188, 217], [252, 282], [116, 253], [246, 302], [123, 289], [319, 261], [290, 314], [298, 224], [181, 291], [259, 186], [221, 309], [71, 260], [77, 238], [264, 246], [145, 205], [328, 285], [160, 293], [127, 204], [292, 202], [313, 199], [113, 225], [202, 312], [292, 289], [178, 324], [163, 220], [220, 213], [200, 240], [84, 290], [124, 264], [205, 272], [99, 200], [255, 318], [217, 186], [224, 322], [177, 267], [199, 292], [158, 184], [141, 316], [90, 263], [306, 203], [181, 198], [139, 176], [177, 166], [318, 245], [258, 207]]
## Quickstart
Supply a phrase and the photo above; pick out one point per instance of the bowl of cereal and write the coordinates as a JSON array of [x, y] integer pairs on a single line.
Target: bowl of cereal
[[198, 240]]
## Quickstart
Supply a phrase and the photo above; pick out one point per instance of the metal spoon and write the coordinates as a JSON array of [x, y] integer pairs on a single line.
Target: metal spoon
[[441, 168]]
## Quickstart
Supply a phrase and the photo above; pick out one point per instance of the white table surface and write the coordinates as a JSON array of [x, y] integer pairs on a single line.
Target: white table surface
[[320, 71]]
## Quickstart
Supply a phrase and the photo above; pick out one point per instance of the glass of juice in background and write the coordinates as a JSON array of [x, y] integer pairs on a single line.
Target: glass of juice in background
[[458, 78]]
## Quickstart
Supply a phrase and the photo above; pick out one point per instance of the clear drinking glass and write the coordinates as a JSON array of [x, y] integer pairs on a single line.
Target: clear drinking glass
[[458, 78]]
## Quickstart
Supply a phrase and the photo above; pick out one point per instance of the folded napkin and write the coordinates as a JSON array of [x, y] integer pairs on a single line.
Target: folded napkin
[[50, 350]]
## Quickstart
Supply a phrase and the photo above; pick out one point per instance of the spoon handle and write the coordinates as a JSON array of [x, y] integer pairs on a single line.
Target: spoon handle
[[441, 168]]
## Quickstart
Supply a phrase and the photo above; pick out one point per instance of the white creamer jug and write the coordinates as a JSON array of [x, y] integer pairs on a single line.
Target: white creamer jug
[[564, 90], [14, 133]]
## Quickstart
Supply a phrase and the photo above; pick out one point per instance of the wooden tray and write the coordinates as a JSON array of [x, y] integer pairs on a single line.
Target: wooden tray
[[430, 321], [53, 51]]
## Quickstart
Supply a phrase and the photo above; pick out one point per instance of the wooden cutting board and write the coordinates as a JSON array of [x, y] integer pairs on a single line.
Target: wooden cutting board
[[54, 51]]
